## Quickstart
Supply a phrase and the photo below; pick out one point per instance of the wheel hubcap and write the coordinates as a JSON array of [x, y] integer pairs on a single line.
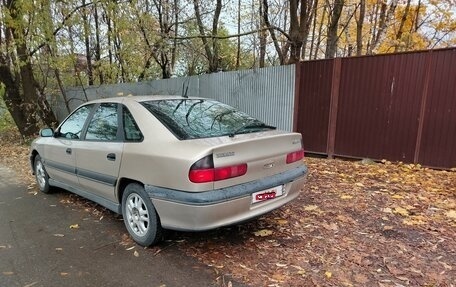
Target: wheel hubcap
[[137, 214], [40, 175]]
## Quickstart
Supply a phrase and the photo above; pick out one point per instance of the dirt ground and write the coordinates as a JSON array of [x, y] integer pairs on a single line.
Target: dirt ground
[[354, 224]]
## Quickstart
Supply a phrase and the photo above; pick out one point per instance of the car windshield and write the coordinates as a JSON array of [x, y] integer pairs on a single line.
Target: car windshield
[[200, 118]]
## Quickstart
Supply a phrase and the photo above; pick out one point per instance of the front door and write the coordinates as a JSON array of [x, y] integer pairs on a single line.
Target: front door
[[59, 153]]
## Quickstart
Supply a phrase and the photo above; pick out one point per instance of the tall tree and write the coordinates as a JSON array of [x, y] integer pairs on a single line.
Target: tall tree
[[16, 72]]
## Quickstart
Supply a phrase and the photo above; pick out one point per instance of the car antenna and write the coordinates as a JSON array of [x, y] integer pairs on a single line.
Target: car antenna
[[185, 90]]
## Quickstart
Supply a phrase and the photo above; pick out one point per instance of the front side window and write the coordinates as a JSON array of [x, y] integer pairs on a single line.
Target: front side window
[[72, 127], [200, 118], [104, 125]]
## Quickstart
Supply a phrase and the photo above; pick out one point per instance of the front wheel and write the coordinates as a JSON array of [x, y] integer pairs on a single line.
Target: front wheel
[[42, 177], [139, 216]]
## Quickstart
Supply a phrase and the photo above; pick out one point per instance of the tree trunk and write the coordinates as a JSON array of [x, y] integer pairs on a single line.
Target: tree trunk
[[332, 37], [211, 52], [320, 32], [296, 40], [14, 103], [87, 45], [97, 44], [238, 51], [176, 26], [359, 27], [271, 31], [214, 66], [384, 18], [314, 27], [400, 31], [262, 38]]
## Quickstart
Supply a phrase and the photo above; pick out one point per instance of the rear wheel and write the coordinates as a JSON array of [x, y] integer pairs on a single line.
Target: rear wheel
[[42, 177], [139, 216]]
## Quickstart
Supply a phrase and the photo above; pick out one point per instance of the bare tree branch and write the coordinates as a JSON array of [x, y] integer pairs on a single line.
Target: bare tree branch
[[232, 35], [61, 26]]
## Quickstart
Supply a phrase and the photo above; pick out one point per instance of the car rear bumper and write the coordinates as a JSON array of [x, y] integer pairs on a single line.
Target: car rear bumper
[[193, 211]]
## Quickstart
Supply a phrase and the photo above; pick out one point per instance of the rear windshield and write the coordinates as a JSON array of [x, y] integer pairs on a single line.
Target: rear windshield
[[200, 118]]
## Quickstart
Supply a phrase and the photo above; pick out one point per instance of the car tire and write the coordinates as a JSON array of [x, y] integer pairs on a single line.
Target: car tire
[[41, 175], [140, 216]]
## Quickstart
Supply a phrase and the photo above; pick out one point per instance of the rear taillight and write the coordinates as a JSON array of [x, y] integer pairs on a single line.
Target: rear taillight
[[204, 171], [295, 156]]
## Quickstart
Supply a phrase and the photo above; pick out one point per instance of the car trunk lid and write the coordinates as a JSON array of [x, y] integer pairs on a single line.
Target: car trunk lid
[[265, 154]]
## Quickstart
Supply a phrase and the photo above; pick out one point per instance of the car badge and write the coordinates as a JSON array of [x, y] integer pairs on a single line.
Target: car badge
[[224, 154], [269, 165]]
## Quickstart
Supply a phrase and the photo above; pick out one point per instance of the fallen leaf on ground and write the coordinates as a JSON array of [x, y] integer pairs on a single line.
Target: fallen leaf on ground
[[414, 220], [282, 221], [245, 267], [451, 214], [400, 211], [278, 277], [361, 278], [263, 232], [74, 226], [328, 274], [136, 253], [310, 207]]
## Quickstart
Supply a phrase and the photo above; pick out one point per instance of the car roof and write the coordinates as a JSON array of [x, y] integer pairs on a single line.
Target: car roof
[[144, 98]]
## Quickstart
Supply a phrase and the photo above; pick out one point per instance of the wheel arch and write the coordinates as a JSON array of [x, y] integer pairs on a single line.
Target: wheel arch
[[33, 155], [122, 184]]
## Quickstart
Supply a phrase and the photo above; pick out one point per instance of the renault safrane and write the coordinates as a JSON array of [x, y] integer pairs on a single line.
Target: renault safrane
[[169, 162]]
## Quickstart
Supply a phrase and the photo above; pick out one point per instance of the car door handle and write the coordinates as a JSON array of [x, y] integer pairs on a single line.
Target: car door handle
[[111, 156], [68, 150]]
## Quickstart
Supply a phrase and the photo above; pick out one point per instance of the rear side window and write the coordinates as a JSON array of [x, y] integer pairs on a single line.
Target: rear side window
[[200, 118], [104, 123], [131, 130]]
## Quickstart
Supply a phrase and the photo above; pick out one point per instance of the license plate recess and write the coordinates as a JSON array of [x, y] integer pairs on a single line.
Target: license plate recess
[[267, 194]]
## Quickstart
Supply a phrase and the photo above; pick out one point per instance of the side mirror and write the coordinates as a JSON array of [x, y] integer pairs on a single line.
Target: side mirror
[[47, 132]]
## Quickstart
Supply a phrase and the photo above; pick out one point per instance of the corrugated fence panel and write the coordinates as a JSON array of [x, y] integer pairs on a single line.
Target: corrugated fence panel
[[220, 86], [314, 104], [379, 106], [174, 86], [438, 145], [267, 93]]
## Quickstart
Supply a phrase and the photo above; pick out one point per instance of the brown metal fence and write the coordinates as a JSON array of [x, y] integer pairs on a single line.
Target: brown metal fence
[[400, 107]]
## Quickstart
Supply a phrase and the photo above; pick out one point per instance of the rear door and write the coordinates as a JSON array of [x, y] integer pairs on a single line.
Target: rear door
[[99, 155]]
